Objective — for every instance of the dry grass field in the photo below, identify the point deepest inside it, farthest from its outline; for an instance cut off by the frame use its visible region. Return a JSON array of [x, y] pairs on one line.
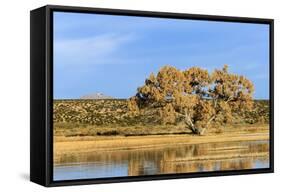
[[86, 144]]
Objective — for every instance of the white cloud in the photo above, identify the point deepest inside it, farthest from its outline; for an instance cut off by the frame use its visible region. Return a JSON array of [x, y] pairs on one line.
[[85, 51]]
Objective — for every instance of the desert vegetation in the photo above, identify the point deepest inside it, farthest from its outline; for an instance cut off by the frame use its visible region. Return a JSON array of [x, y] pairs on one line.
[[172, 102], [112, 117]]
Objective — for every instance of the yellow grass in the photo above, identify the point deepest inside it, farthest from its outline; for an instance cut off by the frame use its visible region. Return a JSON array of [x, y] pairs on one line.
[[75, 145], [221, 157]]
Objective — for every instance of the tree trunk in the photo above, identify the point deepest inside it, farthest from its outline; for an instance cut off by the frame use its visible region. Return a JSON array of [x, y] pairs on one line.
[[190, 125], [197, 131]]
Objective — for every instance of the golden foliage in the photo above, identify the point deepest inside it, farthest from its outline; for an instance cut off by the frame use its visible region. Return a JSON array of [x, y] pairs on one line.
[[168, 114], [132, 106], [194, 96]]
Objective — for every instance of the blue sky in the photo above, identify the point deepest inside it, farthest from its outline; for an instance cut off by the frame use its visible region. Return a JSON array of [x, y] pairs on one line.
[[114, 54]]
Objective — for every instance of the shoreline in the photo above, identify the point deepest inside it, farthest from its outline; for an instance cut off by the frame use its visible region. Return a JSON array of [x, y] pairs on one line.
[[90, 144]]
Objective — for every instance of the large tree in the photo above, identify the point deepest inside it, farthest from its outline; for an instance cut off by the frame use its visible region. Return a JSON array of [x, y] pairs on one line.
[[194, 96]]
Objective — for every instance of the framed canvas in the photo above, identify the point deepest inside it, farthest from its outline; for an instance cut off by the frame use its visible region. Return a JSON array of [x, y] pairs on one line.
[[125, 95]]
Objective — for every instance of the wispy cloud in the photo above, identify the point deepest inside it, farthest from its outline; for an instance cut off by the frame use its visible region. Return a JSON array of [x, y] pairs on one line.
[[89, 51]]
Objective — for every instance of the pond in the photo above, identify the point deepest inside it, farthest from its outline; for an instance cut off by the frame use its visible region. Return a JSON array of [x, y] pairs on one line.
[[174, 159]]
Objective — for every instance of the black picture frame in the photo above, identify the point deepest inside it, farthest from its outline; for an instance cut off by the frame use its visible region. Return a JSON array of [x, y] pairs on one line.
[[41, 99]]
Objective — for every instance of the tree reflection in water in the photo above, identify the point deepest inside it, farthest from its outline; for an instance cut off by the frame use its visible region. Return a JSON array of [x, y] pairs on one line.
[[176, 159]]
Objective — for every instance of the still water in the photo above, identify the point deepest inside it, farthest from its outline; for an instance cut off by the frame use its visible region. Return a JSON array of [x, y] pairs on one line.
[[175, 159]]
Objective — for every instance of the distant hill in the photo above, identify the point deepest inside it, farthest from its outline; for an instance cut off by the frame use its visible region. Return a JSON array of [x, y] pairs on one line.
[[96, 96]]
